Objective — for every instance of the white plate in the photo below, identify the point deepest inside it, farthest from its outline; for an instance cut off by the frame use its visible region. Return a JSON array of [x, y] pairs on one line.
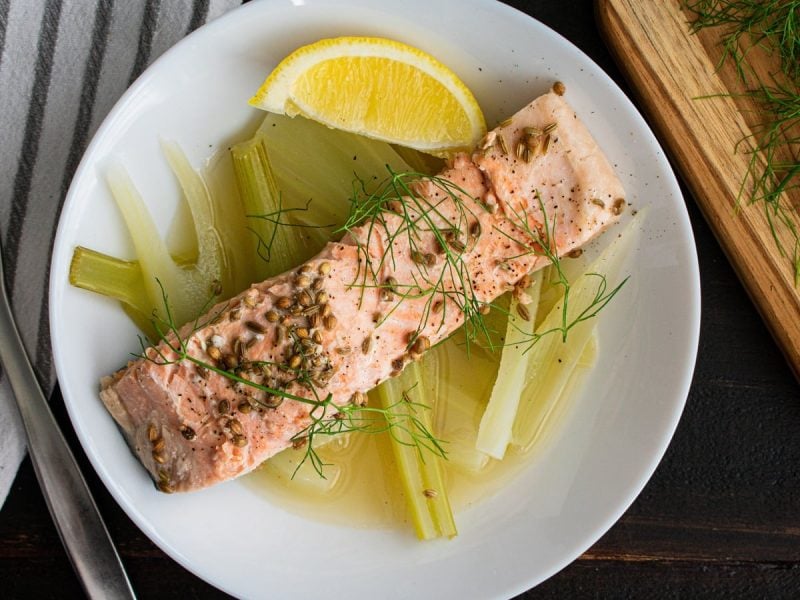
[[596, 464]]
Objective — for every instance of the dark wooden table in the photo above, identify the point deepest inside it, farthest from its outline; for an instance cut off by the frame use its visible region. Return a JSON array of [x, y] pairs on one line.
[[719, 519]]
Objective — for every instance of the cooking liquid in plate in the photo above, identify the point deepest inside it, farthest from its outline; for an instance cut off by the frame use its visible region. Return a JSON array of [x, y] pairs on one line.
[[361, 488]]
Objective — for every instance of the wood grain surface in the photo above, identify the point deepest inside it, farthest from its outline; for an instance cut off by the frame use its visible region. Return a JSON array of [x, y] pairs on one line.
[[719, 519], [673, 73]]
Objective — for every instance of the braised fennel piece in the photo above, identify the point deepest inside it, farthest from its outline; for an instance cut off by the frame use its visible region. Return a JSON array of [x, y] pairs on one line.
[[495, 429], [421, 474], [553, 358]]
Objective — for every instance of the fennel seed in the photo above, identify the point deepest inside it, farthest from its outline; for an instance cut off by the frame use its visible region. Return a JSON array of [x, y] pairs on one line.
[[359, 399], [236, 427], [545, 144], [523, 312], [457, 245], [501, 142], [304, 299], [521, 150], [311, 310], [421, 344], [475, 230], [272, 401], [254, 326], [534, 146]]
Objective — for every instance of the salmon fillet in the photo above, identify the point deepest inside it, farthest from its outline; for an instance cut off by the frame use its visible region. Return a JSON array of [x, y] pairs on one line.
[[358, 312]]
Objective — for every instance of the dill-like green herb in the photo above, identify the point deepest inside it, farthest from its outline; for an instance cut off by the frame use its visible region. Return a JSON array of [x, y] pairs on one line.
[[774, 175], [774, 166], [541, 244], [327, 417], [397, 195], [770, 24], [420, 215], [264, 246]]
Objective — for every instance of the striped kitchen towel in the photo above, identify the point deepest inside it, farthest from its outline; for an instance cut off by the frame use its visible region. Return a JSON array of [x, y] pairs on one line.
[[63, 65]]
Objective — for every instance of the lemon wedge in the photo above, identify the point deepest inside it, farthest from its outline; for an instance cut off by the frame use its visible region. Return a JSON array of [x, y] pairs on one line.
[[378, 88]]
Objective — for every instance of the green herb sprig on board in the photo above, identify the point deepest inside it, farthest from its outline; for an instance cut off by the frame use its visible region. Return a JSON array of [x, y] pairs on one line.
[[771, 26]]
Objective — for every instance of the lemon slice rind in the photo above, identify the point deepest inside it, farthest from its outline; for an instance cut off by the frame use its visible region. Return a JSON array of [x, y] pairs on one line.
[[277, 93]]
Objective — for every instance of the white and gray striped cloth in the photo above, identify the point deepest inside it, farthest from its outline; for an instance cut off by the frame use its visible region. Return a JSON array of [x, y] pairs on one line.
[[63, 65]]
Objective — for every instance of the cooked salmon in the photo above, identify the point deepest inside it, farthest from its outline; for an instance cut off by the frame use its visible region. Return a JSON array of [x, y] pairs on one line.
[[357, 313]]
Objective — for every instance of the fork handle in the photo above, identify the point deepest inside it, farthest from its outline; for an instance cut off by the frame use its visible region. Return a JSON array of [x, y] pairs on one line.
[[71, 505]]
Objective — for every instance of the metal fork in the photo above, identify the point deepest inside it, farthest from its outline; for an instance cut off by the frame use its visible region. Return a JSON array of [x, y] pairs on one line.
[[71, 505]]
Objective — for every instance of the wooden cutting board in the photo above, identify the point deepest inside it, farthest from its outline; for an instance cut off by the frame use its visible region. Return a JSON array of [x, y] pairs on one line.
[[672, 73]]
